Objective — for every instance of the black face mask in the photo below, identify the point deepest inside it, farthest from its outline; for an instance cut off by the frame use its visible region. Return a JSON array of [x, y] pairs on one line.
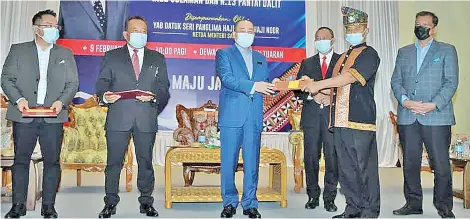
[[422, 32]]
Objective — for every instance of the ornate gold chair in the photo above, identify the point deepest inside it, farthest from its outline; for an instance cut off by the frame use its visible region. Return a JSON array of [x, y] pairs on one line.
[[192, 122], [6, 140], [84, 143], [296, 141]]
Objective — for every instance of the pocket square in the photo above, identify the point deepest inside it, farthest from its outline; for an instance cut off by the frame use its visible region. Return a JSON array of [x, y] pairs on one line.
[[436, 60], [62, 62]]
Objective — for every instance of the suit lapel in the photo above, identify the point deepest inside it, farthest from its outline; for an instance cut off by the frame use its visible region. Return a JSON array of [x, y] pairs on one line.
[[146, 63], [126, 59], [331, 66], [240, 59], [34, 58], [91, 13], [316, 74], [414, 58], [255, 60], [429, 55], [53, 58]]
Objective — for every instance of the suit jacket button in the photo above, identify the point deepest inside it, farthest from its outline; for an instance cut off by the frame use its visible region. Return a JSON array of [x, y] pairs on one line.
[[416, 81], [35, 92], [37, 79]]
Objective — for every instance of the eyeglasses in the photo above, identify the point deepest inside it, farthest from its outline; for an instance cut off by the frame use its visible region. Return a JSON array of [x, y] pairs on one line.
[[49, 26]]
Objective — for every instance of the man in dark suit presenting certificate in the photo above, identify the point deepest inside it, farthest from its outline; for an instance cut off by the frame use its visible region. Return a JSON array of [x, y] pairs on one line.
[[132, 67]]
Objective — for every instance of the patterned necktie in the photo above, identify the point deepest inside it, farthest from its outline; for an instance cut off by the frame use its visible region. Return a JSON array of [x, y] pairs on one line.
[[135, 64], [100, 13], [324, 67]]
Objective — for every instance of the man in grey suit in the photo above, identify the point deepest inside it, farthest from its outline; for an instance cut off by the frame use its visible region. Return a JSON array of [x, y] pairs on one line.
[[93, 19], [424, 82], [128, 68], [38, 73]]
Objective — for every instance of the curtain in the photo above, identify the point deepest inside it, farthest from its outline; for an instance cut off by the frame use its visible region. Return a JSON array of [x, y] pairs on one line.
[[16, 22], [383, 36]]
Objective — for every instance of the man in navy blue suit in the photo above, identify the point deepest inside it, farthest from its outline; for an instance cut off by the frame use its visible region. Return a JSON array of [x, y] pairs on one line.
[[244, 75], [93, 19]]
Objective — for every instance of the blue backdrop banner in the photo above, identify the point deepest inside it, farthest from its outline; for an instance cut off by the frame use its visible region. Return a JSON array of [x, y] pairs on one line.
[[188, 33]]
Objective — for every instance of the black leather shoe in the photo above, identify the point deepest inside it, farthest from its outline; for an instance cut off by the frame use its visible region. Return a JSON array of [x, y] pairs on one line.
[[330, 206], [48, 211], [16, 211], [252, 213], [107, 211], [407, 210], [228, 211], [311, 203], [446, 214], [343, 215], [148, 210]]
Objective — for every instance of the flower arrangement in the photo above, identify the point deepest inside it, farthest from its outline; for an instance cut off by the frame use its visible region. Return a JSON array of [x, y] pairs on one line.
[[213, 138]]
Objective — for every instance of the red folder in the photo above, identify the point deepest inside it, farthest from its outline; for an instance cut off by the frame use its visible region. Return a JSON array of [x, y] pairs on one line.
[[130, 94], [39, 112]]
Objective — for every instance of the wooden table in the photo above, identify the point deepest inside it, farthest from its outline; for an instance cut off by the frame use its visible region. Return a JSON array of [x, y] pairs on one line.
[[465, 193], [177, 156], [35, 177]]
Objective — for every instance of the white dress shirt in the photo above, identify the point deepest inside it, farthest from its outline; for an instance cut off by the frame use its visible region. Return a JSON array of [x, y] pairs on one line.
[[43, 58], [103, 3], [140, 54], [328, 58]]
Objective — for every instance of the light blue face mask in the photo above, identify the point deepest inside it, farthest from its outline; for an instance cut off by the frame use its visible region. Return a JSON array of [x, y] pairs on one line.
[[323, 46], [245, 40], [138, 40], [50, 34], [354, 38]]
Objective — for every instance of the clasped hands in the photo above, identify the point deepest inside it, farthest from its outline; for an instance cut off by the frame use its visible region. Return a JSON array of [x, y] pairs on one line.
[[114, 97], [313, 89], [418, 107]]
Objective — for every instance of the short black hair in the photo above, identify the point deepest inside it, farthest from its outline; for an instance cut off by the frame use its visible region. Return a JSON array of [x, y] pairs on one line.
[[239, 21], [435, 19], [38, 16], [326, 28], [134, 18]]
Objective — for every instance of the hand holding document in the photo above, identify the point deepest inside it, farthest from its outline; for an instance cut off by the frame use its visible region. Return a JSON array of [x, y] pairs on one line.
[[292, 85], [129, 94]]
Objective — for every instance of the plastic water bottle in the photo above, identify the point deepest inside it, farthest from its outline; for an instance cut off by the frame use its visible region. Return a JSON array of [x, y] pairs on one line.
[[459, 149], [201, 138], [466, 146]]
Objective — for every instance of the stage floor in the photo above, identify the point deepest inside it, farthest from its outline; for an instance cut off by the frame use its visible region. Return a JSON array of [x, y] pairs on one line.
[[87, 201]]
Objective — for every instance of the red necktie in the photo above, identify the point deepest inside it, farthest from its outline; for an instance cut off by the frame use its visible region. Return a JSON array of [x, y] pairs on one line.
[[135, 64], [324, 67]]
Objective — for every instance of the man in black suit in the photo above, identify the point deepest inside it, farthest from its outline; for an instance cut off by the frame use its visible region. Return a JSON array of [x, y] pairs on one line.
[[314, 122], [132, 67]]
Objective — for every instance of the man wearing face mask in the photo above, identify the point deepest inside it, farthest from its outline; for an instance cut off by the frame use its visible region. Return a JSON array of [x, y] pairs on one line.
[[244, 75], [314, 122], [424, 81], [32, 70], [128, 68], [352, 118]]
